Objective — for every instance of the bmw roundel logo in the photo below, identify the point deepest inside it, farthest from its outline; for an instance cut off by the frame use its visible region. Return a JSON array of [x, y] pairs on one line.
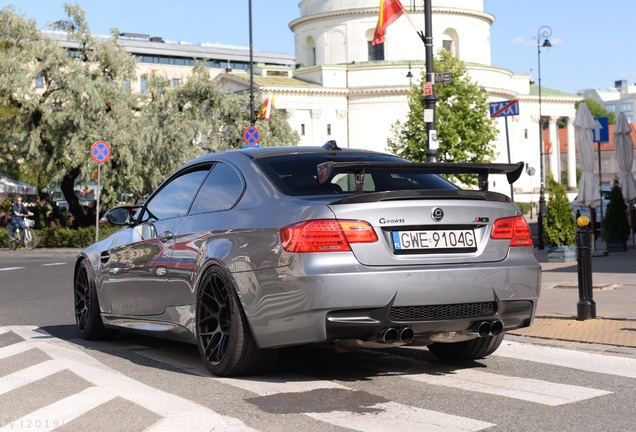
[[437, 214]]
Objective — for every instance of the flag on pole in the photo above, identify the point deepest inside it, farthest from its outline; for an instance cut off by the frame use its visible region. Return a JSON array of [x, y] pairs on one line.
[[266, 110], [390, 11]]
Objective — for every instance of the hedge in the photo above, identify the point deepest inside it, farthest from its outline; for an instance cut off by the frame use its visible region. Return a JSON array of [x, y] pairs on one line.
[[65, 237]]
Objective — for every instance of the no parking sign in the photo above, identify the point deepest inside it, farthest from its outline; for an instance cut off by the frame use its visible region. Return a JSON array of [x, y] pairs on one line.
[[100, 151]]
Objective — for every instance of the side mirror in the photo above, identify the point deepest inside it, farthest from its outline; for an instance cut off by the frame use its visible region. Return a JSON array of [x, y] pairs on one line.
[[121, 215]]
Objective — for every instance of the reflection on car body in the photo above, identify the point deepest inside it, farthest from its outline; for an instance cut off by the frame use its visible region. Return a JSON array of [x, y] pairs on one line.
[[247, 251]]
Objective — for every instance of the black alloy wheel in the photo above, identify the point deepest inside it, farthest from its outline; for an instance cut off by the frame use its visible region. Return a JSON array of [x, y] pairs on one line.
[[87, 313], [225, 342]]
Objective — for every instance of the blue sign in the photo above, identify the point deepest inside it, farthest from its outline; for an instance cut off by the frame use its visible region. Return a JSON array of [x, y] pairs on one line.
[[251, 136], [601, 130], [504, 108], [100, 151]]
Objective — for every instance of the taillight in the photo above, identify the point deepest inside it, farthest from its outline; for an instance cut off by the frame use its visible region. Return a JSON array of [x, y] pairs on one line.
[[515, 229], [326, 235]]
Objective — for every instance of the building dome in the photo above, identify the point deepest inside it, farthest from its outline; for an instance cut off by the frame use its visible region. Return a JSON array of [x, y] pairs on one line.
[[340, 31]]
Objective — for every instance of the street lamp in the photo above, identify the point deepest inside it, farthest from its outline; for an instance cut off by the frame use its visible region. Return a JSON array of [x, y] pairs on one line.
[[543, 34]]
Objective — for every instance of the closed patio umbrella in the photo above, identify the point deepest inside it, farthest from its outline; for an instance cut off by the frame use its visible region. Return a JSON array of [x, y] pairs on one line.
[[624, 147], [584, 124]]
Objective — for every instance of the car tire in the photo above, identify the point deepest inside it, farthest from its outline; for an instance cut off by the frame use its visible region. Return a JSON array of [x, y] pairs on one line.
[[87, 311], [467, 350], [225, 341]]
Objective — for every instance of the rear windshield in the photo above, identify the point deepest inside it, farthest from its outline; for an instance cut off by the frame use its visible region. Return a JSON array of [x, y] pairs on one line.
[[297, 175]]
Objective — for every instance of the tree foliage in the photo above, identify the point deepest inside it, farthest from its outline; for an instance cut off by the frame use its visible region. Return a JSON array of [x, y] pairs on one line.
[[559, 227], [597, 110], [615, 224], [464, 127], [55, 102]]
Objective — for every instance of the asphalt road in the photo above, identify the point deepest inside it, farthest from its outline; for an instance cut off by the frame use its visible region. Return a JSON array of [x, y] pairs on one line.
[[50, 378]]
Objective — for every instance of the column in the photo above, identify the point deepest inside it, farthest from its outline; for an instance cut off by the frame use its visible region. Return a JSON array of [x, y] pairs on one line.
[[553, 139], [571, 155]]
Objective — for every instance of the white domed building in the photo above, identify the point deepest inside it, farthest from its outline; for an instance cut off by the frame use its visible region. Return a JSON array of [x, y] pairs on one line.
[[346, 89]]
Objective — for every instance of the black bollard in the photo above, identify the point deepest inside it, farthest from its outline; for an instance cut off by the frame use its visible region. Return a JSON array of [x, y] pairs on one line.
[[585, 308]]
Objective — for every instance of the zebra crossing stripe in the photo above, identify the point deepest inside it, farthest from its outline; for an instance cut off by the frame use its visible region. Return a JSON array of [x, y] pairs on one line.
[[14, 349], [403, 418], [382, 416], [63, 411], [531, 390], [29, 375], [109, 384], [585, 361]]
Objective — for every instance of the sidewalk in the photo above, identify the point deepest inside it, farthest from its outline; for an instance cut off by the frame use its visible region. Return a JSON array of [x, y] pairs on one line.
[[614, 293]]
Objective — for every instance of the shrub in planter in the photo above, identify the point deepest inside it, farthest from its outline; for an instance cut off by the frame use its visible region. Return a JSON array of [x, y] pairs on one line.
[[559, 226], [615, 226]]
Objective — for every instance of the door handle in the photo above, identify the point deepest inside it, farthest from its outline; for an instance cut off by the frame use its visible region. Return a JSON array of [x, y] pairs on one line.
[[104, 257], [165, 236]]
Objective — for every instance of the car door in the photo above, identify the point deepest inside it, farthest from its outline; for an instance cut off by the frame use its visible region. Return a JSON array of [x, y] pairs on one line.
[[138, 271]]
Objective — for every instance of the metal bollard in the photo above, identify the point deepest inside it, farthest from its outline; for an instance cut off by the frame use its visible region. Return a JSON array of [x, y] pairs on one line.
[[585, 308]]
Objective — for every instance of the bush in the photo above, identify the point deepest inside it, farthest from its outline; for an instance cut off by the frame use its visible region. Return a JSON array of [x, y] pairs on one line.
[[65, 237], [615, 224], [524, 207], [559, 227]]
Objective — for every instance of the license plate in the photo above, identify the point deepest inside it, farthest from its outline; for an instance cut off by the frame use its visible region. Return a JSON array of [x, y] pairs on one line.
[[434, 240]]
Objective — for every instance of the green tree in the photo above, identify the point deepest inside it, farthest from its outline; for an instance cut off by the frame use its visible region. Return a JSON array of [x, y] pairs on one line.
[[559, 227], [615, 224], [597, 110], [80, 96], [464, 127]]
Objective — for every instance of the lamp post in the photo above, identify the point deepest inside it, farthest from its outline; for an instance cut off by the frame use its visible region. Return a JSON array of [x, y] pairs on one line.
[[543, 34]]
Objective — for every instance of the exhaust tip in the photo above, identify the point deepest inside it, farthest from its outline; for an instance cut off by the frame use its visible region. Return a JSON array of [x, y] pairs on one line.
[[406, 335], [496, 328], [388, 335], [484, 329]]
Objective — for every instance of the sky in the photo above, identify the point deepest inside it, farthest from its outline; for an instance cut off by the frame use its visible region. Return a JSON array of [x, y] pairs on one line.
[[592, 42]]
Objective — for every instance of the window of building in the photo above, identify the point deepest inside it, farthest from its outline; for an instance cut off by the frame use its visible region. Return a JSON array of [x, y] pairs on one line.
[[329, 129], [376, 52], [610, 108], [525, 133], [302, 129], [311, 51], [176, 82], [627, 106], [127, 84], [630, 118], [143, 84]]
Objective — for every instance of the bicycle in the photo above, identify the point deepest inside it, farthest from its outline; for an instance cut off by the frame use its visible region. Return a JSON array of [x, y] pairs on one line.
[[24, 236]]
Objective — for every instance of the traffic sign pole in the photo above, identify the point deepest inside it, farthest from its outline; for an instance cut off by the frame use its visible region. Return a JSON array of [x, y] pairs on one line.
[[100, 152]]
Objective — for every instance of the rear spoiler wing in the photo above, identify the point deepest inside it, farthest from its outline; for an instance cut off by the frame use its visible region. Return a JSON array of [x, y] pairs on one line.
[[512, 171]]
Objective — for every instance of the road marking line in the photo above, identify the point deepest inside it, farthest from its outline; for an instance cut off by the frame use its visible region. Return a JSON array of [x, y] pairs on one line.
[[527, 389], [14, 349], [380, 417], [29, 375], [110, 383], [54, 264], [395, 416], [63, 411], [589, 362], [11, 268]]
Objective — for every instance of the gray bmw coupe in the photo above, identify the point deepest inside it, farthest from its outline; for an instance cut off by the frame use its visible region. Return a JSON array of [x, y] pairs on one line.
[[247, 251]]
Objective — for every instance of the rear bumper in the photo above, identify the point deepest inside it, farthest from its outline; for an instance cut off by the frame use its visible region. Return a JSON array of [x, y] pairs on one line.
[[324, 299]]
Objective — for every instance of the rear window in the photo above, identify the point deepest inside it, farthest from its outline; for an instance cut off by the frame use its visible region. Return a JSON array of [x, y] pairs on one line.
[[297, 175]]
